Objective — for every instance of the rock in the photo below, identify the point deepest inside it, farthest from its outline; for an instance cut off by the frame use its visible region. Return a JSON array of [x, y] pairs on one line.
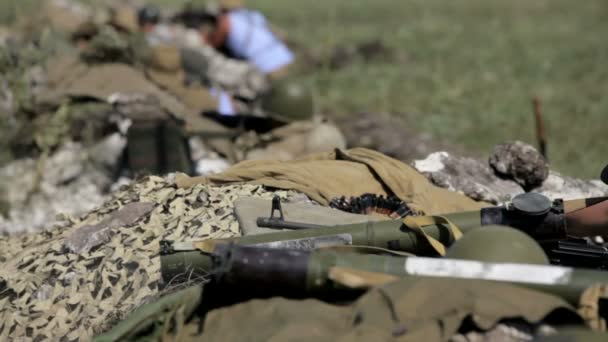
[[206, 161], [324, 137], [387, 134], [506, 332], [558, 186], [468, 176], [478, 181], [7, 102], [520, 162], [73, 180]]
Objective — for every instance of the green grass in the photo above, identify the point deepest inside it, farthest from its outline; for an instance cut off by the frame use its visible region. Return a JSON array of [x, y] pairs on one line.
[[471, 68], [465, 71]]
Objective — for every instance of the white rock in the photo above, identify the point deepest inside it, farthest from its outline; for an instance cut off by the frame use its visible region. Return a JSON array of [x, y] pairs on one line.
[[432, 163]]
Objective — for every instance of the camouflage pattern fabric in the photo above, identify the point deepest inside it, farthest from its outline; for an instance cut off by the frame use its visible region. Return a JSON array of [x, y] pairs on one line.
[[50, 292]]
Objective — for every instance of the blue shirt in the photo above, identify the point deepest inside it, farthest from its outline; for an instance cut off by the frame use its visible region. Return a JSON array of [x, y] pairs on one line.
[[251, 39]]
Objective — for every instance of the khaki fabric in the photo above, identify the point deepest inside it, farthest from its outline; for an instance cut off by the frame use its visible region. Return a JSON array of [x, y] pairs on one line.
[[351, 172], [61, 72], [165, 57], [590, 307], [277, 319], [63, 17], [101, 81], [430, 310], [69, 77], [196, 98], [422, 309], [125, 18]]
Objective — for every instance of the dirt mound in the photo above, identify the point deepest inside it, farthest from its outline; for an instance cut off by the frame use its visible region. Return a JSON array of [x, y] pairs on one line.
[[387, 134]]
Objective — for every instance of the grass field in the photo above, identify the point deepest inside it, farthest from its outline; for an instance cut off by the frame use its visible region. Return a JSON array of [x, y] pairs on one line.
[[465, 71]]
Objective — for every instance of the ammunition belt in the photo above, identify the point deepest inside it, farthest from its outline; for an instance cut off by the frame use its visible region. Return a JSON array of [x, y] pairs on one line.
[[367, 204]]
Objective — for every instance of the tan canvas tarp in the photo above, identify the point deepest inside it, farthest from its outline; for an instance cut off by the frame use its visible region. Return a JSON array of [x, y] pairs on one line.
[[69, 77], [353, 172], [410, 309], [430, 310]]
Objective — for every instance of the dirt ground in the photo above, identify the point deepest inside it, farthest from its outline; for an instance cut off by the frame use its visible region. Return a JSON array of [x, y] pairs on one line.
[[391, 135]]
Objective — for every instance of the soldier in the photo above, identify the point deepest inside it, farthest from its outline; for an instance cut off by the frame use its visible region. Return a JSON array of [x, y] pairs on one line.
[[245, 34], [148, 17], [156, 33]]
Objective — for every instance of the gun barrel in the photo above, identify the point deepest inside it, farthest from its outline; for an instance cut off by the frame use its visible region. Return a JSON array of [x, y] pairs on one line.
[[281, 224], [263, 272]]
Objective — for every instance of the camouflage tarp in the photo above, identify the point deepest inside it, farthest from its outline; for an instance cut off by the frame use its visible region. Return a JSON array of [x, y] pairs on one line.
[[49, 292]]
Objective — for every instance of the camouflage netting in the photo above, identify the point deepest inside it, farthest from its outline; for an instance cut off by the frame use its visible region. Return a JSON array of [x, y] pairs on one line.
[[73, 281]]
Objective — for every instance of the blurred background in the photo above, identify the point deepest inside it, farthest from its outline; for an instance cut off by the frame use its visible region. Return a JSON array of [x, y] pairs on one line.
[[463, 73]]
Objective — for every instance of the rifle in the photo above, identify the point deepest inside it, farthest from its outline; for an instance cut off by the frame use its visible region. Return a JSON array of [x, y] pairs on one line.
[[532, 213], [583, 253]]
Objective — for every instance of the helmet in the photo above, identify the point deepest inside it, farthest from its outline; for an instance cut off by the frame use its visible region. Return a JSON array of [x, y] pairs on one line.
[[148, 15], [288, 100], [604, 175], [498, 244]]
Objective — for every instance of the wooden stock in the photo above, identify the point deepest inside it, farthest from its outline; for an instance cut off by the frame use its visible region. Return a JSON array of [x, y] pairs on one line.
[[590, 221]]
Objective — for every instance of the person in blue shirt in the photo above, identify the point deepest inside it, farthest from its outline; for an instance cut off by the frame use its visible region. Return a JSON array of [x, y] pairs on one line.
[[242, 34], [245, 34]]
